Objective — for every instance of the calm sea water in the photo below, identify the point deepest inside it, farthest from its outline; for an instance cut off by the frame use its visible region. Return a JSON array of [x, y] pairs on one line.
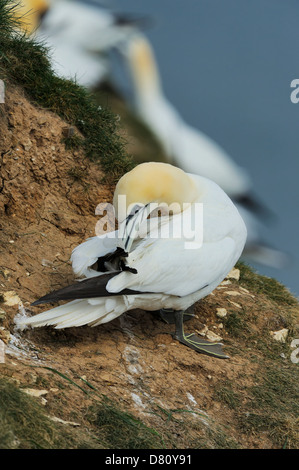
[[227, 67]]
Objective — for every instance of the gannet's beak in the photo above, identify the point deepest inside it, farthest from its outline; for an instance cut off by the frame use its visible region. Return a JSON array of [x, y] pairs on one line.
[[129, 228]]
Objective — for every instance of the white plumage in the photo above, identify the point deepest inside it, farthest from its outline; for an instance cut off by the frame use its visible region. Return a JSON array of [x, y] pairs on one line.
[[164, 274]]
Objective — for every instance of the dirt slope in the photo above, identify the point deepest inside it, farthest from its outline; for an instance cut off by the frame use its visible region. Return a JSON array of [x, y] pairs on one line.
[[48, 196]]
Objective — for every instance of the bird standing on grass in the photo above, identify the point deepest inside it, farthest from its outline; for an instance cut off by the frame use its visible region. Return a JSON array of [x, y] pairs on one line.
[[165, 262]]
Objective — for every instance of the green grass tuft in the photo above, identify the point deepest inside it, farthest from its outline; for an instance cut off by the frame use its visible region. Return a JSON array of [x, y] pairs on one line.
[[120, 430], [226, 394], [274, 406], [73, 142], [236, 324], [9, 20], [23, 424], [268, 286]]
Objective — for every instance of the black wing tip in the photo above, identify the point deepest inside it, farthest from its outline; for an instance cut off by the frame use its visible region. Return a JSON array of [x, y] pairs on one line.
[[123, 19], [86, 289], [43, 300]]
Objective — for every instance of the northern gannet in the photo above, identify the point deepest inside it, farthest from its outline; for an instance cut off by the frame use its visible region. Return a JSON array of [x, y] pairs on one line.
[[30, 13], [148, 263], [79, 35], [190, 149]]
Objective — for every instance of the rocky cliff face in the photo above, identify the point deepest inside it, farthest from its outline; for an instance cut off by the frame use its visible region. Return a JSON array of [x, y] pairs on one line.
[[126, 384]]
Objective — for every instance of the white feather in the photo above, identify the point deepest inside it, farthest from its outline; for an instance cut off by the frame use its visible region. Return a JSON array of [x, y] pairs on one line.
[[86, 254]]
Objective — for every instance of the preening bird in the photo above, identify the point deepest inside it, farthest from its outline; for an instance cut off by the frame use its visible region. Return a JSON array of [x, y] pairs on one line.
[[79, 35], [179, 235], [190, 149]]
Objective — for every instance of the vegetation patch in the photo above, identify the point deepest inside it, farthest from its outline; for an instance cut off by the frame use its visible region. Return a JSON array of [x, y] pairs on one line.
[[236, 324], [274, 406], [266, 403], [24, 62], [196, 428], [227, 394], [270, 287], [118, 429]]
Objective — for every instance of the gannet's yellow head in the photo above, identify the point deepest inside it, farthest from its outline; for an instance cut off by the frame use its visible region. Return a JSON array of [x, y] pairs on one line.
[[30, 12], [154, 182]]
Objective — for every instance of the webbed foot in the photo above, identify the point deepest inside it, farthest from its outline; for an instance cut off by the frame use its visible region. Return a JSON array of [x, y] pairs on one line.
[[194, 342]]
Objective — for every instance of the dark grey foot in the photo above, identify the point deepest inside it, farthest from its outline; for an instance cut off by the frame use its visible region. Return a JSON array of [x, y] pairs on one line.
[[168, 315], [194, 342]]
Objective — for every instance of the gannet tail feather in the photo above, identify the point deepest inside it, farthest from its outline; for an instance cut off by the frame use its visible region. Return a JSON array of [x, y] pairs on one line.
[[77, 313]]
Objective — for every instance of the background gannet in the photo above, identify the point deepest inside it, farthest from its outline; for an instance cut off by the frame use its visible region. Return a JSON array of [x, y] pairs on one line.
[[192, 150], [157, 272], [80, 35], [184, 145]]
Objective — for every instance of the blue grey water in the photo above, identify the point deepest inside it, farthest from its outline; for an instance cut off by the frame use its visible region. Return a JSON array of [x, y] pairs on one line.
[[227, 66]]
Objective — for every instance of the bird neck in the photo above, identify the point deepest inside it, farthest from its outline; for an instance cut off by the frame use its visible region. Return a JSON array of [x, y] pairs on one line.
[[144, 70]]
